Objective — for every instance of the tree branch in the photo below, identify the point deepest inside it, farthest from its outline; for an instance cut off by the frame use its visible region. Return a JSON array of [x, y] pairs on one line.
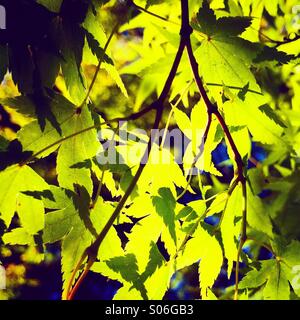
[[212, 109], [91, 252]]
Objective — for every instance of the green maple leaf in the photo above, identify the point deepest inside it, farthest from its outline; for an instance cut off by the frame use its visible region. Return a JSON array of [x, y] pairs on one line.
[[16, 180], [146, 231], [128, 268], [258, 215], [256, 278], [159, 282], [271, 274], [53, 5], [231, 226], [277, 274], [264, 125], [291, 265], [96, 37], [165, 207], [76, 150], [210, 25], [77, 227], [132, 278], [69, 36], [66, 120], [59, 223], [3, 61], [277, 286], [272, 57], [96, 40], [18, 236], [35, 138], [229, 56], [31, 212], [156, 260], [207, 249]]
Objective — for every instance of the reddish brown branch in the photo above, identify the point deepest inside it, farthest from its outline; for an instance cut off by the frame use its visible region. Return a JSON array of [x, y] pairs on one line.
[[212, 109], [91, 252]]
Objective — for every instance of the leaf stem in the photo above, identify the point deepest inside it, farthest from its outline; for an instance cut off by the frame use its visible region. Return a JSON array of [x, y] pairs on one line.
[[210, 84], [152, 13], [209, 121], [266, 246], [98, 189], [243, 238], [184, 191], [114, 30], [230, 191], [70, 292], [278, 43], [67, 291], [172, 112]]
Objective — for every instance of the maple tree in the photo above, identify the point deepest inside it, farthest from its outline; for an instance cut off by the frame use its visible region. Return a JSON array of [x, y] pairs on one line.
[[221, 72]]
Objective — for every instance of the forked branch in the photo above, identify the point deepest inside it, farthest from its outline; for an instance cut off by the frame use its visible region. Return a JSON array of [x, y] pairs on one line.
[[212, 109], [91, 253]]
